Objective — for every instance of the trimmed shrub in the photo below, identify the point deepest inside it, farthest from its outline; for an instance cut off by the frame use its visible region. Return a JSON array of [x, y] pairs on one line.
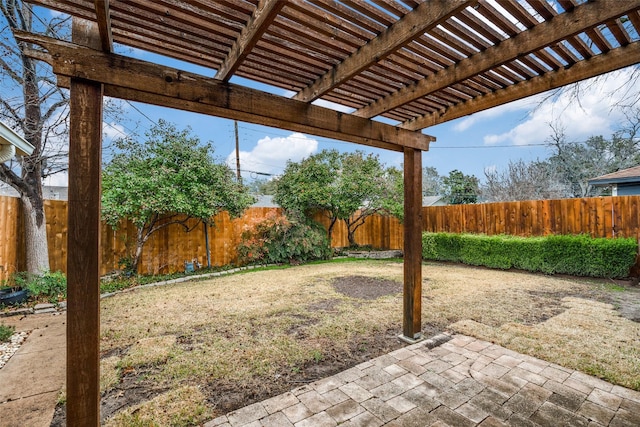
[[279, 239], [442, 246], [578, 255]]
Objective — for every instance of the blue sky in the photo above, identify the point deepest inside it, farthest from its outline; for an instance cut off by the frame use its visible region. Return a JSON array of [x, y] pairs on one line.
[[488, 139]]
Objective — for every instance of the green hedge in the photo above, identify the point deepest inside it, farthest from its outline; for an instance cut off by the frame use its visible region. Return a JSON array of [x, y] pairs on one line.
[[579, 255]]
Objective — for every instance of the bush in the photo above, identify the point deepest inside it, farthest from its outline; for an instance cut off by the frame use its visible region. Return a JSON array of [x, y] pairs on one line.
[[279, 239], [579, 255], [49, 286], [6, 332]]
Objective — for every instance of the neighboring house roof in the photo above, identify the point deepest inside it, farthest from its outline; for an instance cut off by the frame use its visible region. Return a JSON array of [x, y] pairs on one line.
[[623, 176], [48, 192], [433, 201]]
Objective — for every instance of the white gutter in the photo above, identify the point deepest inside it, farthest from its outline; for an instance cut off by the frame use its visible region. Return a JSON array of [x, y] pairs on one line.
[[12, 143]]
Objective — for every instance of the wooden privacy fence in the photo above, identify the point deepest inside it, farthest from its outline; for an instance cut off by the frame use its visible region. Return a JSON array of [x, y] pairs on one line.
[[596, 216], [167, 249]]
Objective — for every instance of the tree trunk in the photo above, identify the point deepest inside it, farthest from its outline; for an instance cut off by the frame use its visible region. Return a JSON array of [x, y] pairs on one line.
[[351, 234], [136, 256], [330, 231], [35, 232]]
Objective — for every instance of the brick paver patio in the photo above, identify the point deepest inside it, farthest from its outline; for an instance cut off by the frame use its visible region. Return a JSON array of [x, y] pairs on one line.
[[463, 382]]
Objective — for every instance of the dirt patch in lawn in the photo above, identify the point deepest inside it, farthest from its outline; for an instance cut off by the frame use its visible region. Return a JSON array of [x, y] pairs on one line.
[[364, 287], [224, 343]]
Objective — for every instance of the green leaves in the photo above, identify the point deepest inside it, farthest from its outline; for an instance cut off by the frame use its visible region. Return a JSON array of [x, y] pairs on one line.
[[579, 255], [459, 188], [166, 180], [279, 239], [345, 186]]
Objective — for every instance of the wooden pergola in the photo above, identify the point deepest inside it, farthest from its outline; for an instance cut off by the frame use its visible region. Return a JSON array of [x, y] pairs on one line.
[[417, 63]]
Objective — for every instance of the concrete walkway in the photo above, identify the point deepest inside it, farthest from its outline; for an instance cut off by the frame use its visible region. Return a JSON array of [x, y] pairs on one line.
[[33, 377], [464, 382]]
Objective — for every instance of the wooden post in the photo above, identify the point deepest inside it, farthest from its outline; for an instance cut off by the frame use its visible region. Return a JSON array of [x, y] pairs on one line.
[[412, 298], [83, 256]]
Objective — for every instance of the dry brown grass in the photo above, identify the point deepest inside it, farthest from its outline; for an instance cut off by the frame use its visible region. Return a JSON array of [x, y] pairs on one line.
[[253, 328], [182, 406]]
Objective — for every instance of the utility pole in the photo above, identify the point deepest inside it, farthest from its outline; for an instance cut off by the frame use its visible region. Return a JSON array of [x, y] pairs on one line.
[[235, 122]]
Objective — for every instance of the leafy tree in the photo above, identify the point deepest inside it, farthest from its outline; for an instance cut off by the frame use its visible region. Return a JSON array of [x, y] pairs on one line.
[[524, 181], [578, 162], [348, 187], [431, 181], [459, 188], [31, 103], [168, 179]]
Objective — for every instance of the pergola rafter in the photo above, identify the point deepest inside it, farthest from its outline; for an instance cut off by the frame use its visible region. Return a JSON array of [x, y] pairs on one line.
[[613, 60], [561, 27], [412, 25], [263, 16]]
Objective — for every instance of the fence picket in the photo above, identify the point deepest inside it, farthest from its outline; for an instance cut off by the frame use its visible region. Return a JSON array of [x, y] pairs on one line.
[[166, 251]]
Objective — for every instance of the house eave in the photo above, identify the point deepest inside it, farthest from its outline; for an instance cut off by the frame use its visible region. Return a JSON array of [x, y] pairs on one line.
[[9, 137]]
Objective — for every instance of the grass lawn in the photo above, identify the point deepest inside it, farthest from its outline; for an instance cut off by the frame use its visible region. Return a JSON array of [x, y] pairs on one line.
[[182, 354]]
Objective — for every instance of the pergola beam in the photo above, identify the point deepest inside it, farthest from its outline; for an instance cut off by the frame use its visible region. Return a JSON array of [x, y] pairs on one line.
[[616, 59], [265, 13], [147, 82], [424, 17], [549, 32]]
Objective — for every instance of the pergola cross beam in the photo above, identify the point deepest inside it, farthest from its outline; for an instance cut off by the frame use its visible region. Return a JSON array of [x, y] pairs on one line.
[[613, 60], [143, 81], [545, 34]]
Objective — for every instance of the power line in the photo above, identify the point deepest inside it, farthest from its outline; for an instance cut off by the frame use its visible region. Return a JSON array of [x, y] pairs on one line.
[[487, 146], [141, 113]]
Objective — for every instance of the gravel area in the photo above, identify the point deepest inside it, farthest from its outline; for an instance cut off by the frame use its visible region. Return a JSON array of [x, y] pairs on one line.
[[8, 349]]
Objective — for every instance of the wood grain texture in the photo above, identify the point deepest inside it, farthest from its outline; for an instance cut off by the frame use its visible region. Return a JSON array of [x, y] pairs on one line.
[[168, 251], [141, 81], [412, 295], [83, 242]]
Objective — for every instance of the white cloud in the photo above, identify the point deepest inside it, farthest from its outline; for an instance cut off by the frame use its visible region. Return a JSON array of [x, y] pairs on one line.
[[113, 130], [594, 113], [270, 155]]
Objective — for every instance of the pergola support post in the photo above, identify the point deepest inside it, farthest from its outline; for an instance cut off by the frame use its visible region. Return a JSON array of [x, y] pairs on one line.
[[412, 295], [83, 257]]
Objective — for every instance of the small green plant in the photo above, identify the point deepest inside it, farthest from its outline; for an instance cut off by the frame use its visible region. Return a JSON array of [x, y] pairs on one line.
[[6, 332], [317, 356], [128, 266], [51, 286]]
